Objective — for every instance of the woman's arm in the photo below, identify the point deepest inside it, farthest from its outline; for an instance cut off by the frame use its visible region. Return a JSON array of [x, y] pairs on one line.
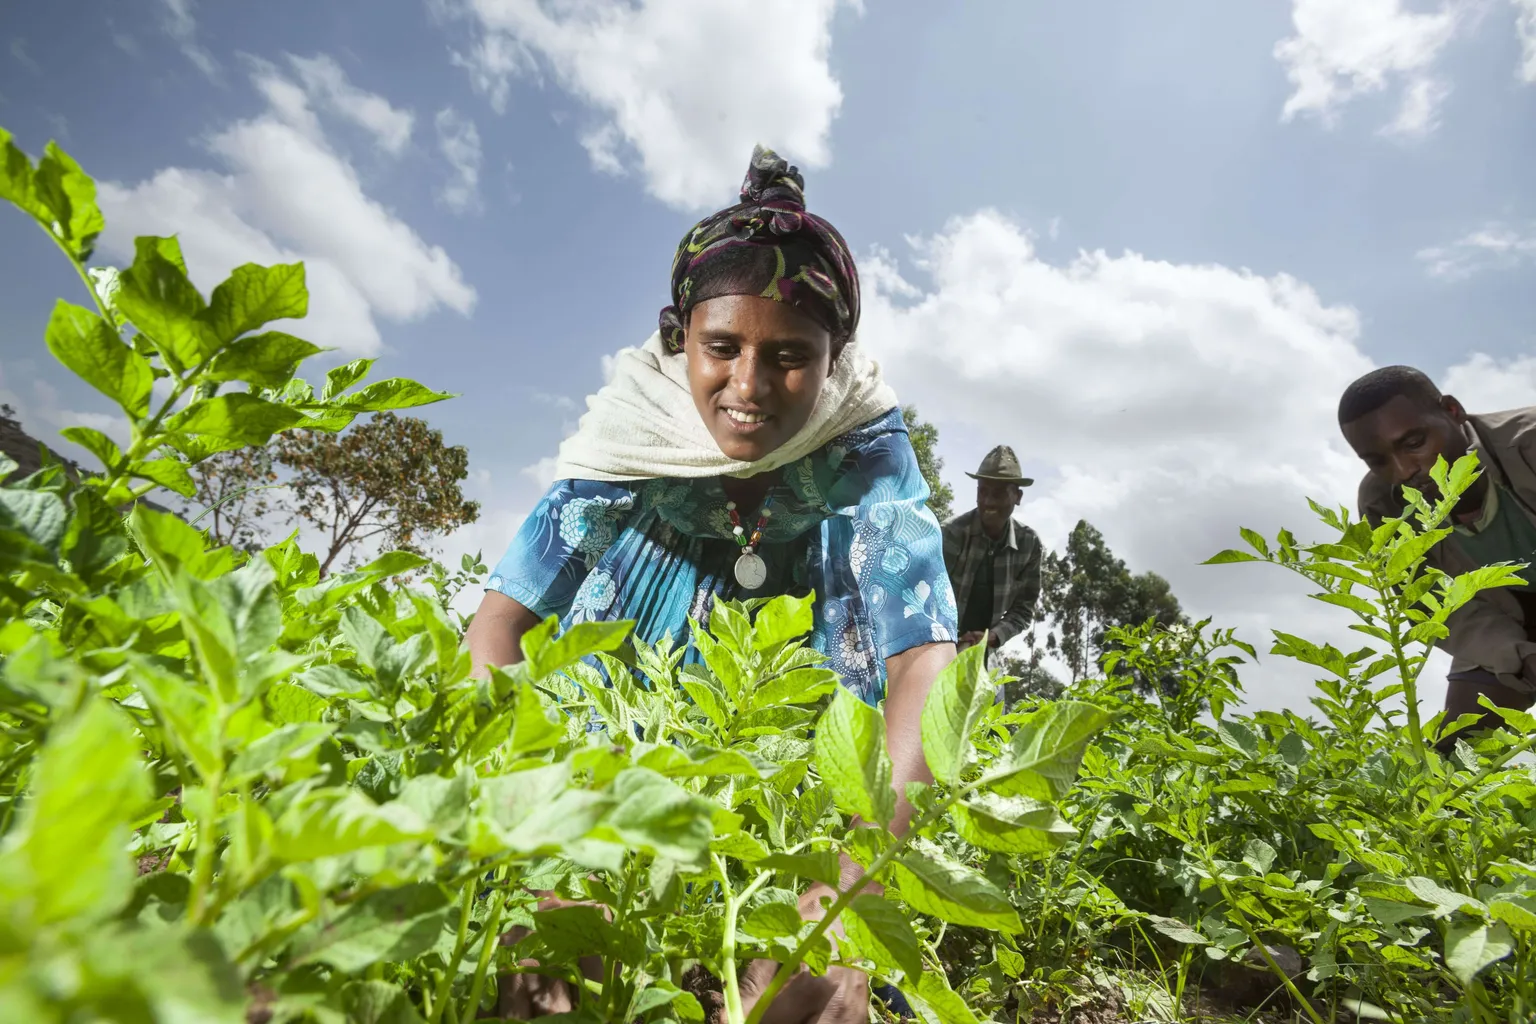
[[496, 632]]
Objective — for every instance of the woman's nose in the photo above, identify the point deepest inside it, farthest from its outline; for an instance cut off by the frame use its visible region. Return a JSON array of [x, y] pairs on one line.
[[748, 377]]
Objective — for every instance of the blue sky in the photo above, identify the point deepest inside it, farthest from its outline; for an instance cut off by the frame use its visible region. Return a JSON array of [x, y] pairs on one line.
[[1144, 244]]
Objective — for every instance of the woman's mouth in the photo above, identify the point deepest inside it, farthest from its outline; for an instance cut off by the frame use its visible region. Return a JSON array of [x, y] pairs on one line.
[[746, 422]]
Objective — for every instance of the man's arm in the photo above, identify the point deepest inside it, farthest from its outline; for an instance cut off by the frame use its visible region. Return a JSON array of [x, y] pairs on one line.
[[1020, 612]]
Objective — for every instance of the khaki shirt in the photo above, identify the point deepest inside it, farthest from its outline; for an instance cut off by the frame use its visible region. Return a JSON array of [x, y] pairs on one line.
[[1490, 631]]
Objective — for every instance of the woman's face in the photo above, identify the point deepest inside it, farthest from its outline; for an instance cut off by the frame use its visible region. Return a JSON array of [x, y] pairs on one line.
[[756, 368]]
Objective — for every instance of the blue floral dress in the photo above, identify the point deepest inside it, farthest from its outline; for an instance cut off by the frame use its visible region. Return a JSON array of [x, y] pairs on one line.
[[850, 523]]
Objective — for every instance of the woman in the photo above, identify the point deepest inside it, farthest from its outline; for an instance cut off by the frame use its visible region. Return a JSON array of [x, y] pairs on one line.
[[749, 449]]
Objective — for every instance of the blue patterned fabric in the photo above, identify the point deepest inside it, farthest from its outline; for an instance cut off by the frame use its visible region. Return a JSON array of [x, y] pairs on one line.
[[850, 522]]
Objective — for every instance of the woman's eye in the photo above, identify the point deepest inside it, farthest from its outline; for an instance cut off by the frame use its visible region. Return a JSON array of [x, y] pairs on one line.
[[723, 351]]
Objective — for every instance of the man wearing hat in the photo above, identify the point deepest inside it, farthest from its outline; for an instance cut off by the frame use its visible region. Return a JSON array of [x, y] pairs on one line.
[[993, 559]]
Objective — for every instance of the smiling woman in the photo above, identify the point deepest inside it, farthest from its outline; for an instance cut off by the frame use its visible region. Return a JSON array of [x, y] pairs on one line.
[[749, 449]]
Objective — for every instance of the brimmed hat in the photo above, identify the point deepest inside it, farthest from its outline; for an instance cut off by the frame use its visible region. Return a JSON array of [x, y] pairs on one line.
[[1001, 465]]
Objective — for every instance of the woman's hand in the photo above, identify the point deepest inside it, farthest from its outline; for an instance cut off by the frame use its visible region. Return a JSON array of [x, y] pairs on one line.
[[841, 996]]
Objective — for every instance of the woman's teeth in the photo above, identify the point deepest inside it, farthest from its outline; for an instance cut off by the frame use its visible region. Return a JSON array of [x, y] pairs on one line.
[[745, 417]]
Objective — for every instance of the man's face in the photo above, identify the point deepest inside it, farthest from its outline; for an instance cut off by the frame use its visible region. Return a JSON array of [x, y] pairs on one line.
[[995, 502], [1400, 441]]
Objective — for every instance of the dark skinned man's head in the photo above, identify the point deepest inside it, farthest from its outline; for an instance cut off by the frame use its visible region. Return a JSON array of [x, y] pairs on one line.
[[1398, 422], [995, 502]]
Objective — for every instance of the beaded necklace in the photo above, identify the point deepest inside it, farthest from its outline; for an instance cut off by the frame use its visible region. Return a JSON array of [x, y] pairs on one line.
[[751, 570]]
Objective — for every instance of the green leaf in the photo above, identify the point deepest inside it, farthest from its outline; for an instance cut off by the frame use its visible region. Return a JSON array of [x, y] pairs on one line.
[[771, 921], [395, 393], [37, 519], [71, 194], [533, 728], [267, 360], [237, 420], [18, 182], [800, 686], [1045, 753], [98, 444], [1259, 855], [880, 931], [653, 812], [933, 883], [783, 619], [68, 859], [329, 823], [545, 658], [92, 351], [275, 749], [155, 294], [954, 704], [851, 760], [1470, 946], [382, 927], [342, 377], [254, 295], [935, 1001], [1229, 556], [168, 473], [184, 712], [1179, 931], [821, 866], [378, 1002], [1515, 909], [1016, 824], [1255, 540]]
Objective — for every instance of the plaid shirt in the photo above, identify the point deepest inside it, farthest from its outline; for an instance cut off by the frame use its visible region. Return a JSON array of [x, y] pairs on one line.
[[1015, 571]]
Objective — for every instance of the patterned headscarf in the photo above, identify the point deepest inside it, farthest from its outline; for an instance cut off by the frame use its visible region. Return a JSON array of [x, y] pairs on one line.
[[766, 245]]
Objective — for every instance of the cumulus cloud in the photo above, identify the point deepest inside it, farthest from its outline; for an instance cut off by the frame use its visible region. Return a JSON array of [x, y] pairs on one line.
[[181, 25], [328, 87], [1525, 25], [285, 194], [1486, 384], [1167, 404], [678, 90], [1494, 246], [459, 141], [1341, 50]]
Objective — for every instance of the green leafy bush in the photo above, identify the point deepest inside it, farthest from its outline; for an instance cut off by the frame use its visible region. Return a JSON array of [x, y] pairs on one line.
[[231, 790]]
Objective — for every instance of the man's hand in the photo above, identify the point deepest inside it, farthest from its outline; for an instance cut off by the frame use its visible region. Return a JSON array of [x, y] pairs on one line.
[[841, 996], [970, 639]]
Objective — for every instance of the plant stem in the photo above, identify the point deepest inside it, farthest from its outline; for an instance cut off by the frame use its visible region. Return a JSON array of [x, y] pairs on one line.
[[445, 984], [207, 840], [487, 948], [730, 982]]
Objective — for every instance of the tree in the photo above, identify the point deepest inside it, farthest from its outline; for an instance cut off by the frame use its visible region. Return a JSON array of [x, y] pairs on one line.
[[925, 441], [390, 478], [234, 496], [1086, 591]]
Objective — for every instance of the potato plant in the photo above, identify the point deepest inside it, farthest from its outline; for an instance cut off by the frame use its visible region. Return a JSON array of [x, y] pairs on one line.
[[233, 790]]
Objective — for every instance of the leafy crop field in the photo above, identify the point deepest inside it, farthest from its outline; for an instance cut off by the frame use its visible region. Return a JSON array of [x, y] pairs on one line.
[[233, 790]]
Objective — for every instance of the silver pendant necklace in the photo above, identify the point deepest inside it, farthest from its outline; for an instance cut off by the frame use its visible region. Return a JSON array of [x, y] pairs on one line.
[[750, 570]]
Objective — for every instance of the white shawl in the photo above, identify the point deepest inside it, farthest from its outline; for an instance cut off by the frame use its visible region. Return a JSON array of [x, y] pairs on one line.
[[644, 425]]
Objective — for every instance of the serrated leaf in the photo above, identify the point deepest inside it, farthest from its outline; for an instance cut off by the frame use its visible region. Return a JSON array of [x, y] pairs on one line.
[[383, 927], [534, 728], [92, 350], [880, 931], [851, 760], [267, 360], [253, 295], [168, 473], [395, 393], [236, 420], [156, 295], [1043, 758], [783, 619], [950, 713], [932, 882], [1017, 824], [770, 921], [935, 1002], [98, 444]]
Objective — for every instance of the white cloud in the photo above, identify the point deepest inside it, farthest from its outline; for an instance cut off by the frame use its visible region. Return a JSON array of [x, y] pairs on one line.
[[1494, 246], [1486, 384], [286, 194], [328, 87], [681, 90], [542, 472], [1525, 25], [1167, 404], [181, 25], [1347, 48], [459, 141]]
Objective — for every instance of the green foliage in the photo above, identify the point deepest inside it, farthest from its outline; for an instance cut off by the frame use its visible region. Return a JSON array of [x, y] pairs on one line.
[[233, 787], [925, 443]]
